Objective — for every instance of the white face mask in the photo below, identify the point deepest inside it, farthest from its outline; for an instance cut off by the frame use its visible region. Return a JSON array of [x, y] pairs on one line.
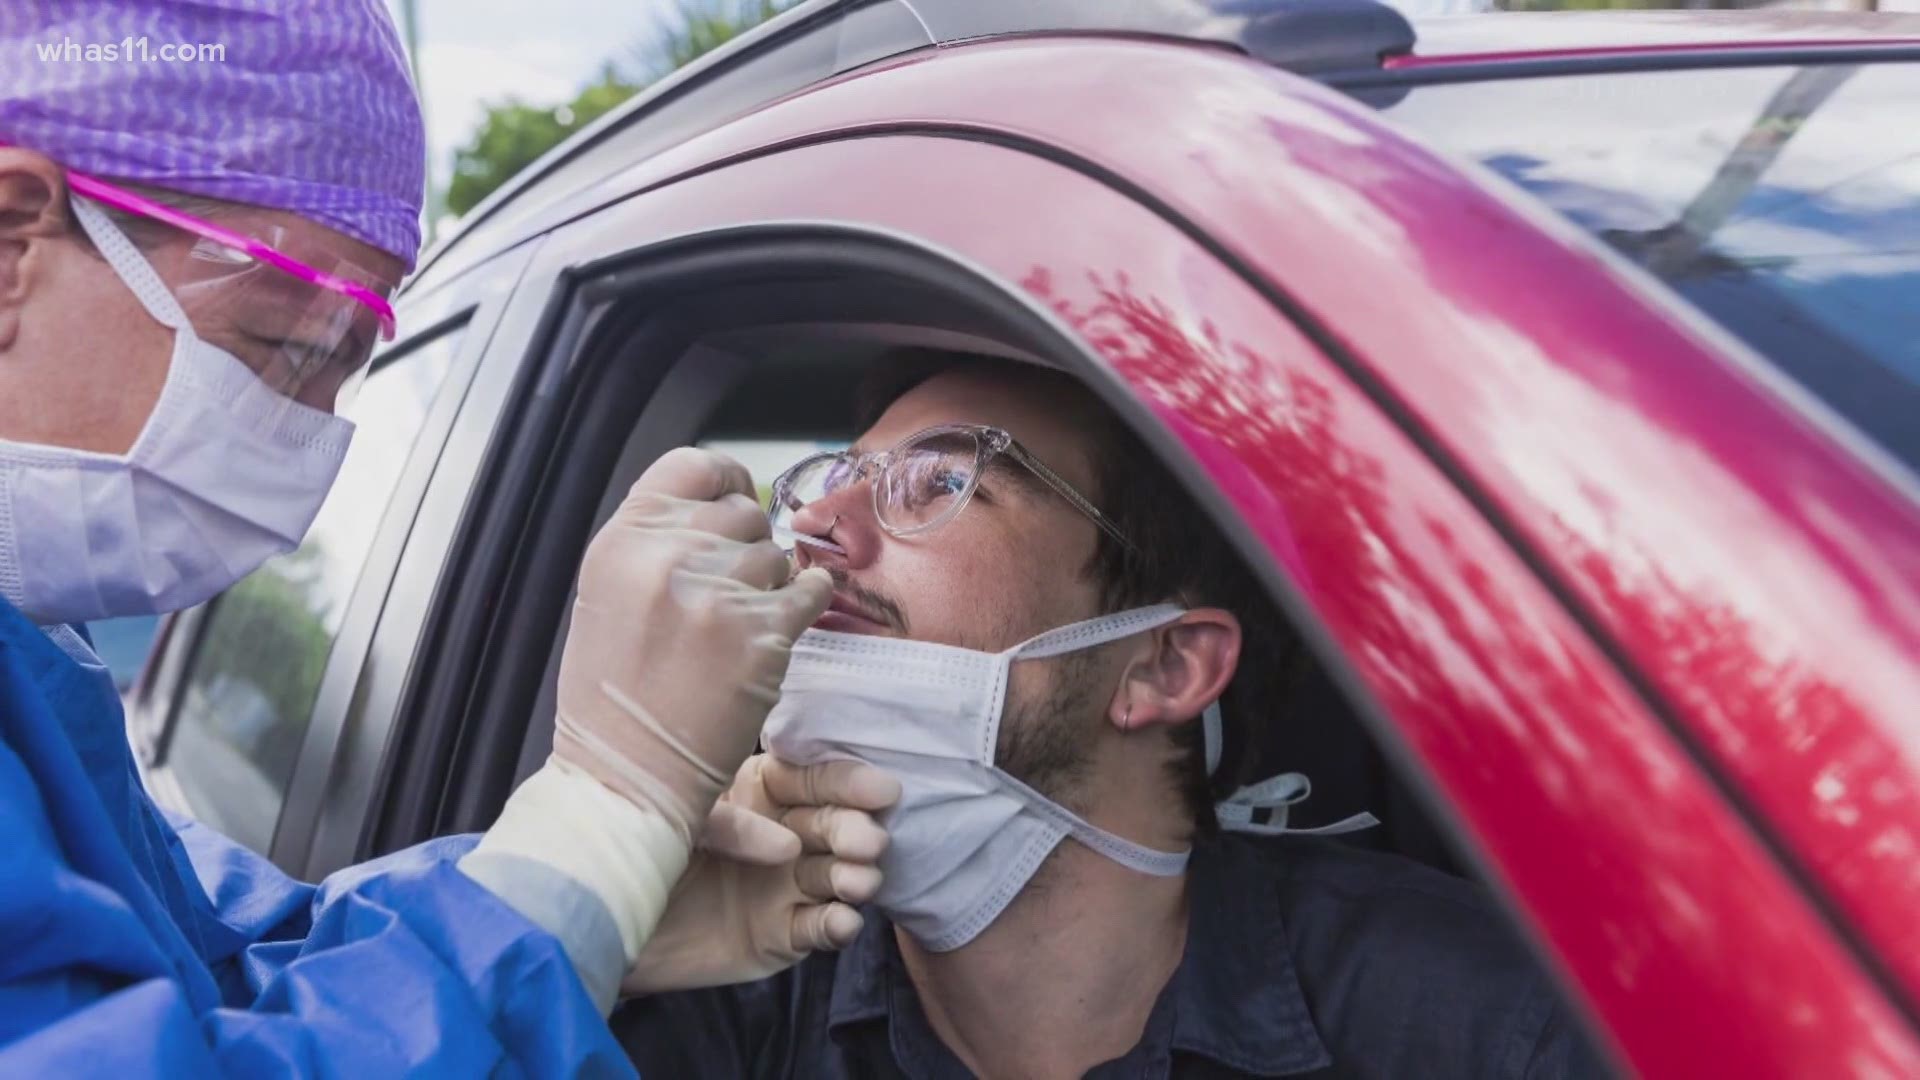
[[225, 474], [967, 837]]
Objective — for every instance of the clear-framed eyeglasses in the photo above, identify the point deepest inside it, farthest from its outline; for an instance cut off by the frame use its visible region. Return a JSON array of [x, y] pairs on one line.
[[921, 483]]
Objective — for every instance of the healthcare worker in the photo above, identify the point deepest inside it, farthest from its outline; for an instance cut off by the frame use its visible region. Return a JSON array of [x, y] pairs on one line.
[[194, 258]]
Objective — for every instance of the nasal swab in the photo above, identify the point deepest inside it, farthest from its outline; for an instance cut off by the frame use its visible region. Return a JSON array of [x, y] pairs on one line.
[[812, 541]]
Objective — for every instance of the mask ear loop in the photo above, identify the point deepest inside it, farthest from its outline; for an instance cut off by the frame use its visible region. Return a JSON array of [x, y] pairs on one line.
[[1277, 794], [1098, 630], [131, 267]]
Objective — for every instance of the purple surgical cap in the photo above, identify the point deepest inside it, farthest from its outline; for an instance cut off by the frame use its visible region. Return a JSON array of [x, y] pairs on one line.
[[305, 107]]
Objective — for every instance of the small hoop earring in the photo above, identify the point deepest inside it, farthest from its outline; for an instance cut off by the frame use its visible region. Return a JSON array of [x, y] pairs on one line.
[[1126, 722]]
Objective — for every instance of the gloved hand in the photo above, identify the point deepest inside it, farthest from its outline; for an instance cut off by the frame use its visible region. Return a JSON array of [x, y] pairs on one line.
[[680, 637], [785, 851]]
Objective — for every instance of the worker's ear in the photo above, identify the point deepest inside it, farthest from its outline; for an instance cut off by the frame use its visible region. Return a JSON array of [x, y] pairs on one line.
[[33, 216]]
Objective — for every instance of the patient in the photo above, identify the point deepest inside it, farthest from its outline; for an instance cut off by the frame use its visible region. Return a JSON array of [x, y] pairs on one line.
[[1094, 905]]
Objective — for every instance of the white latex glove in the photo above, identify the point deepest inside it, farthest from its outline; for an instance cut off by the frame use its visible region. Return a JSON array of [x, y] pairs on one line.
[[680, 637], [785, 852], [681, 633]]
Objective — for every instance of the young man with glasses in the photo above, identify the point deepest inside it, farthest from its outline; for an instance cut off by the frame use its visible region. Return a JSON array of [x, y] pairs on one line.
[[1030, 625]]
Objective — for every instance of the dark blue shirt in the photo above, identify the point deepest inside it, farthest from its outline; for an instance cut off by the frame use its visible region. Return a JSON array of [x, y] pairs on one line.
[[1304, 957]]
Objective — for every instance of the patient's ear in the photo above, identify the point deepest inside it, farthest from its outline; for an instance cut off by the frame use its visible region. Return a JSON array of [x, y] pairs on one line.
[[33, 215], [1177, 671]]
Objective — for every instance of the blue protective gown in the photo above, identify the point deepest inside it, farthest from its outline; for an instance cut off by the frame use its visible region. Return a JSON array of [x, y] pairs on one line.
[[131, 945]]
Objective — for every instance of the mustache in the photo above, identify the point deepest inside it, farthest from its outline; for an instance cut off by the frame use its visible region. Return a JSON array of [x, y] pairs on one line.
[[874, 601]]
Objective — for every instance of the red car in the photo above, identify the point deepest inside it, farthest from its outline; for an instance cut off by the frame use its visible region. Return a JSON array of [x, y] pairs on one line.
[[1561, 374]]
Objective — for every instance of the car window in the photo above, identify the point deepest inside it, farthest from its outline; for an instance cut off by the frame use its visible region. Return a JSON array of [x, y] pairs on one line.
[[122, 645], [243, 712], [1782, 201]]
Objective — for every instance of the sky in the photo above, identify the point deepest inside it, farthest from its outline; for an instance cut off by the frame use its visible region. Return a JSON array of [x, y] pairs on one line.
[[474, 53]]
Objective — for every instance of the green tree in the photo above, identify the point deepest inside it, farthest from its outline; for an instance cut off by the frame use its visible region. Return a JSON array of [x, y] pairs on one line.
[[515, 133]]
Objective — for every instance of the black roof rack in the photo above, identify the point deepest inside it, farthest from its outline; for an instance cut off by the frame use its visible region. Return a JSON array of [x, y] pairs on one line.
[[1304, 36]]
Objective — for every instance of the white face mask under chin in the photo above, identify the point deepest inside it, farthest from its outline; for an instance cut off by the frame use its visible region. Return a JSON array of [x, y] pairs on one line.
[[225, 474], [967, 837]]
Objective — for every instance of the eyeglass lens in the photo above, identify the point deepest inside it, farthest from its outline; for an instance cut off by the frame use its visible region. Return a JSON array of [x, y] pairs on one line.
[[923, 482]]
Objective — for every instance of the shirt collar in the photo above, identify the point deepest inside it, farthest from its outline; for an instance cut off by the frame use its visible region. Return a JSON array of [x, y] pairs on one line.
[[1236, 994], [1235, 997]]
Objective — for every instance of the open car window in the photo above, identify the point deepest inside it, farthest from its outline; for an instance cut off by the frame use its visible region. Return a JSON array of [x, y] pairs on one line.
[[790, 393]]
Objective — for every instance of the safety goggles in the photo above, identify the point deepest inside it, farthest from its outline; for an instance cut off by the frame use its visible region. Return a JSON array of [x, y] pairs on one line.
[[295, 324], [920, 484]]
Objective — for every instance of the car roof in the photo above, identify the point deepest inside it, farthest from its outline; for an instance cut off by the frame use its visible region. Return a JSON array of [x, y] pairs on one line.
[[1307, 36], [1344, 42]]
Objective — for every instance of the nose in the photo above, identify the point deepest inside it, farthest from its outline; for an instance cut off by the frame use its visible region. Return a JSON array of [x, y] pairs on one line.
[[816, 518], [838, 518]]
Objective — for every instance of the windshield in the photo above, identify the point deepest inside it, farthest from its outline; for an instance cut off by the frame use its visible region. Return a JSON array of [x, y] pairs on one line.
[[1782, 201]]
